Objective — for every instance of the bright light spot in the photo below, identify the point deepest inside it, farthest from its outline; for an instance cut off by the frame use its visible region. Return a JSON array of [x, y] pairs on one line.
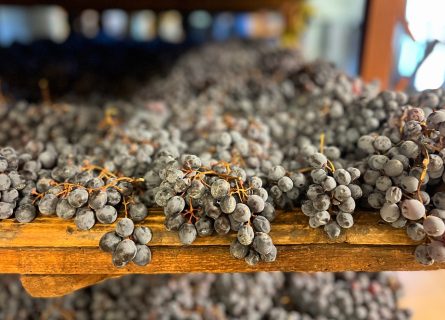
[[89, 23], [410, 54], [59, 28], [425, 19], [13, 25], [275, 22], [243, 24], [143, 25], [223, 26], [170, 26], [266, 24], [200, 19], [431, 74], [115, 22]]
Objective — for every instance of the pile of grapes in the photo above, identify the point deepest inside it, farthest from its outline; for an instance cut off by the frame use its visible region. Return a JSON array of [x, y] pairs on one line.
[[274, 296], [232, 133]]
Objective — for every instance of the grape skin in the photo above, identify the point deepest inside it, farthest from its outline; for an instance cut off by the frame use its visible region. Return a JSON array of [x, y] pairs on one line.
[[390, 212], [245, 235], [109, 241], [262, 243], [125, 252], [187, 233], [65, 210], [422, 256], [47, 205], [25, 213], [436, 250], [6, 210], [124, 227], [415, 231], [138, 212], [238, 250], [143, 255], [84, 219], [78, 197], [242, 213], [412, 209], [142, 234], [434, 226], [107, 214]]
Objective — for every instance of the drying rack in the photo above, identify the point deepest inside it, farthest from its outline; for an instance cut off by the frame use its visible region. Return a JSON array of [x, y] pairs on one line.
[[54, 258]]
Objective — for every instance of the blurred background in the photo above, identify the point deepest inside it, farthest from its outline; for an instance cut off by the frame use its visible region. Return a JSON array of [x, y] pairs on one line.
[[76, 44], [400, 43]]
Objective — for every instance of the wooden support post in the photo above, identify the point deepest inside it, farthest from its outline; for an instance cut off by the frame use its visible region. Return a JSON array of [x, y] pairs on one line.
[[377, 55]]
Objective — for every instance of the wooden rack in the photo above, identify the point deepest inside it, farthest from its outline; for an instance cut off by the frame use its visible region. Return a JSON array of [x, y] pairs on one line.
[[54, 258]]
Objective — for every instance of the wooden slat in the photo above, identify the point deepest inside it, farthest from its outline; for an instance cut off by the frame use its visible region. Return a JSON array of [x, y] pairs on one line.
[[290, 228], [55, 258], [314, 257]]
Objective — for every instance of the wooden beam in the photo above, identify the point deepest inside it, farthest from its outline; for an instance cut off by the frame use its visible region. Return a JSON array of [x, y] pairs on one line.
[[215, 259], [288, 228], [55, 246], [79, 268], [377, 54], [55, 258], [52, 272]]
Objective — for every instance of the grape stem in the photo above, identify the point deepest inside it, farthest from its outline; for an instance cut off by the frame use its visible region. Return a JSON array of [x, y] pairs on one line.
[[425, 163]]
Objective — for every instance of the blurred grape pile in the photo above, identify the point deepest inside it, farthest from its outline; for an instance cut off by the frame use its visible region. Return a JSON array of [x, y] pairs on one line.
[[274, 296]]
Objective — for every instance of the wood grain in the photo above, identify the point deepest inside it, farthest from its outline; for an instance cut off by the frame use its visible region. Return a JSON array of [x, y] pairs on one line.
[[288, 228], [217, 259]]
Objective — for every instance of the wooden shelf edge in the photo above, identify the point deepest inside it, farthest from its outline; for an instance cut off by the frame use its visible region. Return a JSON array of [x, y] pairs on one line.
[[289, 228], [216, 259], [51, 251]]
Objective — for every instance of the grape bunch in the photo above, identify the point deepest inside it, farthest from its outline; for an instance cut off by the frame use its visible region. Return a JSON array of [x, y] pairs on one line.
[[127, 243], [285, 188], [401, 176], [244, 142], [13, 185], [86, 193], [22, 122], [331, 196], [341, 107], [428, 100], [201, 201], [90, 194]]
